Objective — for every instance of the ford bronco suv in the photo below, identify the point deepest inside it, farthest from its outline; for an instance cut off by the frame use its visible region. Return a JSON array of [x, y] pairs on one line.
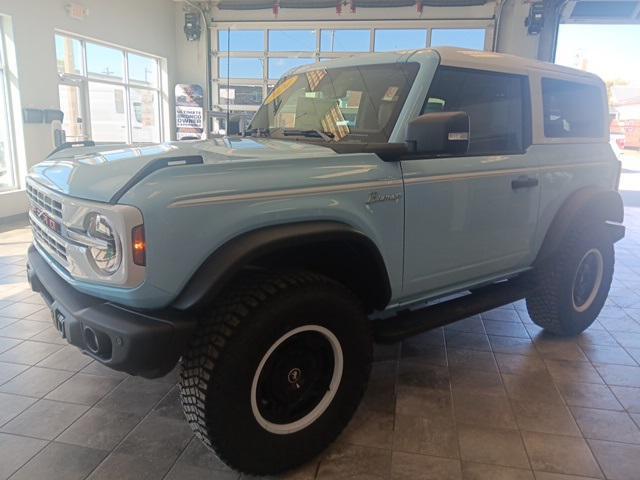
[[372, 198]]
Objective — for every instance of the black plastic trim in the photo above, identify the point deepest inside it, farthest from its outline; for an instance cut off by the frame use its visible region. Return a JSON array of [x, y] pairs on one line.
[[409, 323], [388, 152], [141, 343], [584, 206], [154, 166], [239, 252]]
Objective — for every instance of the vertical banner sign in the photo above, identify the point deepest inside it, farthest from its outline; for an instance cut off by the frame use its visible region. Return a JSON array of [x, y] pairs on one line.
[[189, 111]]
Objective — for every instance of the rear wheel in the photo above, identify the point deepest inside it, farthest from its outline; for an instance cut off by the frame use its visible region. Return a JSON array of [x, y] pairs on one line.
[[276, 372], [573, 286]]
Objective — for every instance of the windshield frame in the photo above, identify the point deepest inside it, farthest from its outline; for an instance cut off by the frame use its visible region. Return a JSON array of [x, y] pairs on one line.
[[410, 71]]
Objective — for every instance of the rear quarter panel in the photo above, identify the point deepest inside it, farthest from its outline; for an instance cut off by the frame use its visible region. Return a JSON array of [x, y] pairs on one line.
[[568, 164]]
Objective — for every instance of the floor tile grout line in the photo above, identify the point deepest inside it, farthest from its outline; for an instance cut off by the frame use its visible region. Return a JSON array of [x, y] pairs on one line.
[[510, 402], [147, 415], [34, 403]]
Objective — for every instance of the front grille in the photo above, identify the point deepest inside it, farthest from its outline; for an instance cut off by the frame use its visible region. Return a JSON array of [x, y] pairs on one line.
[[46, 239], [44, 201], [47, 231]]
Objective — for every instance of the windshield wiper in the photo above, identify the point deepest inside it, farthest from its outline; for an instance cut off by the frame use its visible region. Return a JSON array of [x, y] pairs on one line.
[[326, 136]]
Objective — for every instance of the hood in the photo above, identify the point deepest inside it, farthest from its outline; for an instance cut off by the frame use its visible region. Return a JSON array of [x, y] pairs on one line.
[[99, 173]]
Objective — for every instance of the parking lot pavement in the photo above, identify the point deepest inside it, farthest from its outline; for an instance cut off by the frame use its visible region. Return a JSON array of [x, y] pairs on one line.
[[486, 398]]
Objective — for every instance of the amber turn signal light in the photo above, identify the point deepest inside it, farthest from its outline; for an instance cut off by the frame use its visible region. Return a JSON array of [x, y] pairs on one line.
[[139, 246]]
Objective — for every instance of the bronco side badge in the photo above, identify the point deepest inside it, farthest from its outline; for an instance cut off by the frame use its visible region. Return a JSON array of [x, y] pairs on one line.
[[376, 197]]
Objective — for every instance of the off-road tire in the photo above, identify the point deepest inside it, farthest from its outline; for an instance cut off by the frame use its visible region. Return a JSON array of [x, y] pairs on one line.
[[552, 305], [218, 371]]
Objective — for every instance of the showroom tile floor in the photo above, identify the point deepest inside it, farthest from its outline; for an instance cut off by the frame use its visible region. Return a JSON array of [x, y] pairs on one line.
[[490, 397]]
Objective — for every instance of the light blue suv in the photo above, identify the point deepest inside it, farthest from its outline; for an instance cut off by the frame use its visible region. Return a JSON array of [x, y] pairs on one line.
[[372, 198]]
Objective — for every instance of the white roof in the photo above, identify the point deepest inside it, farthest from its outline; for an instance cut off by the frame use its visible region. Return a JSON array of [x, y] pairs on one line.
[[463, 58]]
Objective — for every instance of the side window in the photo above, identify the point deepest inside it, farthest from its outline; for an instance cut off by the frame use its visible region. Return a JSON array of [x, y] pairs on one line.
[[571, 109], [495, 103]]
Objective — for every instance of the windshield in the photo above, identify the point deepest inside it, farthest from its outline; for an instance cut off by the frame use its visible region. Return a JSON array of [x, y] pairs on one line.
[[348, 104]]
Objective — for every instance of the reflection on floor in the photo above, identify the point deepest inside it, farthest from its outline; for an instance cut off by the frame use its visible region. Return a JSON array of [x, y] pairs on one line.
[[490, 397]]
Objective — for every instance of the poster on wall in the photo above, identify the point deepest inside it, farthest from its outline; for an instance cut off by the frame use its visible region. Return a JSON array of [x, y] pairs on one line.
[[189, 111]]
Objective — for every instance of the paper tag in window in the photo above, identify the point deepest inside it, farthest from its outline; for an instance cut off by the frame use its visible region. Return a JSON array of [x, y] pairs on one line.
[[391, 95], [458, 136]]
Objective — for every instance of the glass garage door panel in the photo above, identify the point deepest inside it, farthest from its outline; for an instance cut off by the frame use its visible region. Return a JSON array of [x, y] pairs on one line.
[[345, 40], [292, 40], [240, 95], [279, 66], [400, 39], [241, 68], [71, 106], [108, 112], [145, 122], [463, 38], [241, 40]]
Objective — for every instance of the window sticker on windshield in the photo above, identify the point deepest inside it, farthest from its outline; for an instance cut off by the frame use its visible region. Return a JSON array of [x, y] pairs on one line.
[[391, 95], [280, 89]]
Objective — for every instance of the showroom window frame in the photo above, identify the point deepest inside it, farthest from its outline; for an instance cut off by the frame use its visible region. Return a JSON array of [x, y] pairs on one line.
[[84, 79], [219, 80], [5, 74]]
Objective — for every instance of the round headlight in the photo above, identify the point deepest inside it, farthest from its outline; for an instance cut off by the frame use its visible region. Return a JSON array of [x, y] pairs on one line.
[[106, 250]]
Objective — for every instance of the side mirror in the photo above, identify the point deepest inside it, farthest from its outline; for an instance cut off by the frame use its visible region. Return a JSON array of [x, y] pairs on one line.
[[439, 133]]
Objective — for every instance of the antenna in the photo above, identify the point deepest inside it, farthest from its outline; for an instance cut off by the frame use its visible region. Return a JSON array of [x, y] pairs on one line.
[[228, 80]]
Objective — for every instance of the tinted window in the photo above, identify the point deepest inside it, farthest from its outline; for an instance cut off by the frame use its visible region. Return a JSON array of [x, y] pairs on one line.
[[571, 109], [350, 104], [494, 102]]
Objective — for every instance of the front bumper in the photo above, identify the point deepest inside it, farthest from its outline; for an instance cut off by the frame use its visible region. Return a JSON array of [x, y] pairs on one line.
[[148, 344]]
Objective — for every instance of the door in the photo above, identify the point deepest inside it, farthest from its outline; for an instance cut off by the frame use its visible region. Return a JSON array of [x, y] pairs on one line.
[[473, 217]]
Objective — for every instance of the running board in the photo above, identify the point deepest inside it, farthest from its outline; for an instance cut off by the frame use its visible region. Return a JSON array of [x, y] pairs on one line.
[[412, 322]]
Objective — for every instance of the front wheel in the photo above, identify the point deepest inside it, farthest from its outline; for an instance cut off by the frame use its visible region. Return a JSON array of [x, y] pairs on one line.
[[277, 371], [573, 286]]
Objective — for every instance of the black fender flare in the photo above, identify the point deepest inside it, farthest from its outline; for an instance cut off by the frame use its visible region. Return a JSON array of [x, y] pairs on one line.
[[226, 261], [588, 204]]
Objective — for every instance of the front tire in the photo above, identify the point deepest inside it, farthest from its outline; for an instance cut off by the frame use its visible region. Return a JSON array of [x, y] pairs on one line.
[[573, 286], [277, 370]]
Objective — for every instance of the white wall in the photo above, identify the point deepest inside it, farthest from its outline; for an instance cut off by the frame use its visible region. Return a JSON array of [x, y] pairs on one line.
[[145, 25], [513, 37]]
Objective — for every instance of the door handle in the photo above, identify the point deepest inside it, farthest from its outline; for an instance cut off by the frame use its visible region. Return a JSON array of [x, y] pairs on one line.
[[524, 182]]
